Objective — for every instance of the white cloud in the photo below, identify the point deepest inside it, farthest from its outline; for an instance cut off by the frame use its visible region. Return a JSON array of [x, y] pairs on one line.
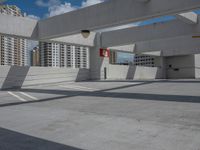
[[56, 7], [34, 17], [60, 9], [50, 3]]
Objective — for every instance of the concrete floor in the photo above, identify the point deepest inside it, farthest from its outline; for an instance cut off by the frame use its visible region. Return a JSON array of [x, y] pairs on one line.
[[110, 115]]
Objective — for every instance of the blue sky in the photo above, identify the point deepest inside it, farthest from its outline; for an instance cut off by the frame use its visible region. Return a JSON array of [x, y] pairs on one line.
[[46, 8]]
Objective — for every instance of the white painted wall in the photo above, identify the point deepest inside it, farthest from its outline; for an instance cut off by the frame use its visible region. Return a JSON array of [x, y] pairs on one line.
[[133, 72], [13, 76], [3, 73], [197, 65]]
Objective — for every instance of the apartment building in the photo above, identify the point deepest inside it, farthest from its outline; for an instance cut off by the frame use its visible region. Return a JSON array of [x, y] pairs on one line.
[[63, 55], [13, 51]]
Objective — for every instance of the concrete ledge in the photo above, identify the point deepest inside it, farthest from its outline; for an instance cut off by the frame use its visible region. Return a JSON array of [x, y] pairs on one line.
[[17, 77], [133, 72]]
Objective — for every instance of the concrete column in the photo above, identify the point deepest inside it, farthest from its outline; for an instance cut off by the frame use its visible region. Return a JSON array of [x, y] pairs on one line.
[[97, 63], [163, 67]]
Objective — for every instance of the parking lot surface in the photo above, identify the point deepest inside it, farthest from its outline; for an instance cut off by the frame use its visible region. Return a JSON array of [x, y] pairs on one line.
[[102, 115]]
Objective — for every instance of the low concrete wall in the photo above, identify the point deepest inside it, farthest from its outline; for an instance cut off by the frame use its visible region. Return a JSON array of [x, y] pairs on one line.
[[181, 73], [197, 65], [197, 73], [133, 72], [181, 67], [14, 76]]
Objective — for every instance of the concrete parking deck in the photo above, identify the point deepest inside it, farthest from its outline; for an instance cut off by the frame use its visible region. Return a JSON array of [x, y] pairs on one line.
[[104, 115]]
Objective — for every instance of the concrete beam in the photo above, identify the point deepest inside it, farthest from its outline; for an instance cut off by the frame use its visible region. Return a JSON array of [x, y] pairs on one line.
[[153, 53], [76, 39], [189, 17], [18, 26], [169, 29], [125, 48], [142, 1], [185, 45], [111, 13]]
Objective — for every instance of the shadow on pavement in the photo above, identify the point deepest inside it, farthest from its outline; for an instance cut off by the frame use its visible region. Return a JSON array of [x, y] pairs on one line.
[[107, 93], [11, 140]]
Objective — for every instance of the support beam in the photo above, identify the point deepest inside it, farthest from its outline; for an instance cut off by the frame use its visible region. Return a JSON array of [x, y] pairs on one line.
[[189, 17], [170, 47], [76, 39], [185, 45], [125, 48], [111, 13], [169, 29], [18, 26], [144, 1]]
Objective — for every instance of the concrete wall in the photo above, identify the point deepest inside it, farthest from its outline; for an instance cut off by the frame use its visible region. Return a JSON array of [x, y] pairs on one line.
[[13, 76], [197, 65], [180, 67], [134, 72]]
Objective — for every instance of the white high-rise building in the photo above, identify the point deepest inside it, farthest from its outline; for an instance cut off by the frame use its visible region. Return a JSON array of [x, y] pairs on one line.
[[13, 51], [63, 55]]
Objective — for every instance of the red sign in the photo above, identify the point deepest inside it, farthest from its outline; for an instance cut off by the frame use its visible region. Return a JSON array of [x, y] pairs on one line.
[[104, 52]]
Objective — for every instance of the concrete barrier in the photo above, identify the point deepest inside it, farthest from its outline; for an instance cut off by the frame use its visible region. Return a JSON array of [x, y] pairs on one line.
[[134, 72], [16, 77], [197, 65]]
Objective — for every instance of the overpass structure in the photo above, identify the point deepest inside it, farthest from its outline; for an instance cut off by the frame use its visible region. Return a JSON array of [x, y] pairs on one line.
[[172, 41]]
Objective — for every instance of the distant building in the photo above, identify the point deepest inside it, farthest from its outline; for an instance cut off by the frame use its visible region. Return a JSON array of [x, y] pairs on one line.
[[113, 57], [13, 51], [35, 57], [63, 55]]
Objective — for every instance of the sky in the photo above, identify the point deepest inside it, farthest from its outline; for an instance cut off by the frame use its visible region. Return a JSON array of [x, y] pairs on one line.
[[40, 9]]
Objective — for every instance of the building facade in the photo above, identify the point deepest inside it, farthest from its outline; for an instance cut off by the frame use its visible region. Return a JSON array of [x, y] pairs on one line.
[[35, 57], [113, 57], [63, 55], [13, 51]]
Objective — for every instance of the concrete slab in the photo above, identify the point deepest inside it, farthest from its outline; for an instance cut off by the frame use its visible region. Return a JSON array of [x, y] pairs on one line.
[[142, 115]]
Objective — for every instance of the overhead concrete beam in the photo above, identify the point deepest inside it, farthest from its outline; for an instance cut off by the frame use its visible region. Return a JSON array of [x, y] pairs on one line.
[[18, 26], [125, 48], [142, 0], [77, 39], [169, 29], [185, 45], [153, 53], [111, 13], [188, 17], [169, 47]]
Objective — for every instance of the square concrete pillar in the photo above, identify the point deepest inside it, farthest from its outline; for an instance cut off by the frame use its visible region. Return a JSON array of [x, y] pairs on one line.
[[98, 65]]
